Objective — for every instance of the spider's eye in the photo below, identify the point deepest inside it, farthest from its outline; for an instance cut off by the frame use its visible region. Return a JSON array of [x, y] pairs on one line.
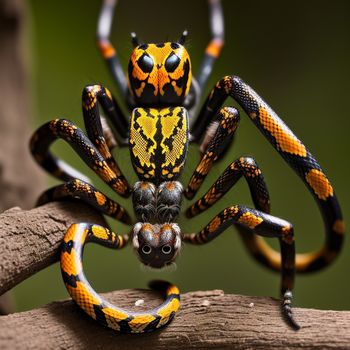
[[145, 62], [146, 249], [166, 249], [172, 63]]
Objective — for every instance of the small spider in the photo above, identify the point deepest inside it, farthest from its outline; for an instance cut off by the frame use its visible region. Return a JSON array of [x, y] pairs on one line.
[[162, 96]]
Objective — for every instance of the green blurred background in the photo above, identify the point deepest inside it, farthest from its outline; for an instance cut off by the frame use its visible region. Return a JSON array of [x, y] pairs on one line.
[[295, 54]]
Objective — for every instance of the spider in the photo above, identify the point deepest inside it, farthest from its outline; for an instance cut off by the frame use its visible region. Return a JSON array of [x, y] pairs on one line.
[[162, 97]]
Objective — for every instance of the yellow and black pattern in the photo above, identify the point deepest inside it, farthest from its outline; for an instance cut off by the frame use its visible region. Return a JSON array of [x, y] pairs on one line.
[[159, 74], [158, 142], [92, 303], [228, 119], [297, 156], [75, 137], [83, 191]]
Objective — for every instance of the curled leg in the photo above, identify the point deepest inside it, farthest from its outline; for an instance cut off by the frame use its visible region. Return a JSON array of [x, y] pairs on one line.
[[75, 137], [78, 189], [297, 156], [92, 303], [264, 225]]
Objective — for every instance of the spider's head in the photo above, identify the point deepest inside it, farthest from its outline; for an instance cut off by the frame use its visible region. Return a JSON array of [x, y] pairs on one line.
[[160, 74], [156, 245]]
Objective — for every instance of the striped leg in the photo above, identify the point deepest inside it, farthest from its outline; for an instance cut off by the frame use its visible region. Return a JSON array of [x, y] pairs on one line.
[[108, 52], [244, 166], [78, 189], [264, 225], [97, 131], [214, 47], [75, 137], [213, 146], [92, 303], [298, 158]]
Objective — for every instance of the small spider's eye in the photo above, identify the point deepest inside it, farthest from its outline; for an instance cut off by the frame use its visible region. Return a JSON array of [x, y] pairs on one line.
[[166, 249], [146, 249], [145, 62], [172, 63]]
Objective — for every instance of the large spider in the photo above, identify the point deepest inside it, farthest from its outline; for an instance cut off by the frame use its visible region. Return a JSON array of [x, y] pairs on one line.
[[162, 95]]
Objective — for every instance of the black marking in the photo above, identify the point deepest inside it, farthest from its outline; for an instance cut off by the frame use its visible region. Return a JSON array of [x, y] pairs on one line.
[[172, 62], [124, 325], [143, 47], [100, 316], [146, 63], [67, 246], [71, 280], [174, 46]]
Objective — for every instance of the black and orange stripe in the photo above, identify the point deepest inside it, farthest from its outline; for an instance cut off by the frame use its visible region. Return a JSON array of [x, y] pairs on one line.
[[92, 303]]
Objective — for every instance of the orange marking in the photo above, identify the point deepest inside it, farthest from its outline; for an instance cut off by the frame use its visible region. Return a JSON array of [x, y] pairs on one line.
[[76, 232], [339, 227], [319, 183], [106, 49], [170, 186], [100, 198], [285, 139], [172, 290], [84, 298], [214, 224], [71, 263], [250, 220], [287, 236], [214, 47]]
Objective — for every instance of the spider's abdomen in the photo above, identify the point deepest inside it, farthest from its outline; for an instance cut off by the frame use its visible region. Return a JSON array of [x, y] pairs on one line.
[[158, 142], [159, 74]]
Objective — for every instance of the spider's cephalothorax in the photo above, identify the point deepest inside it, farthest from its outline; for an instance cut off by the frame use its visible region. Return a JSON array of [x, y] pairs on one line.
[[162, 97]]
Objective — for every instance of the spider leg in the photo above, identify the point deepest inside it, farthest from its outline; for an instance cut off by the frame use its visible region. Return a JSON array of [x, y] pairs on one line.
[[95, 305], [264, 225], [75, 137], [244, 166], [78, 189], [215, 45], [97, 127], [104, 27], [213, 146], [298, 158]]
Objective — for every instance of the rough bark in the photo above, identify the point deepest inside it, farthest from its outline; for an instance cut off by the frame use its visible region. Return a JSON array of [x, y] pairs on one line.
[[206, 320], [29, 240], [19, 178]]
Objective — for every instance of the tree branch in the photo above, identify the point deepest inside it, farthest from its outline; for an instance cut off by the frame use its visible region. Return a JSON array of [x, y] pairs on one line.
[[206, 320], [29, 240]]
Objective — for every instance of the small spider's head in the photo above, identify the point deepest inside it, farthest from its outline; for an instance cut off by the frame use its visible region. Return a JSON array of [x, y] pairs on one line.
[[156, 245], [159, 74]]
